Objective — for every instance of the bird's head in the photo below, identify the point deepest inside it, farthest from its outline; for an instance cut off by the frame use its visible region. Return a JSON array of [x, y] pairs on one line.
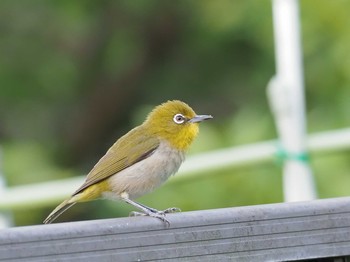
[[175, 122]]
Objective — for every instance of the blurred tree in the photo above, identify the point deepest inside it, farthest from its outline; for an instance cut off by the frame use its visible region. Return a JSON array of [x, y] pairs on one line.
[[75, 75]]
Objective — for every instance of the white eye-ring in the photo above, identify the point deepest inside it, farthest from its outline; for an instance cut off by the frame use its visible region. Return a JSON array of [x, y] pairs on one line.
[[179, 119]]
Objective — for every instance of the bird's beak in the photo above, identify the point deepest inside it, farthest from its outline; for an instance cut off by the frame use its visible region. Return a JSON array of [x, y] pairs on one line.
[[200, 118]]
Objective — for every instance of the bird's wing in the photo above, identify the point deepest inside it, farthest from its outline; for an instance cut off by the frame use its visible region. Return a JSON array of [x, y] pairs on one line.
[[130, 149]]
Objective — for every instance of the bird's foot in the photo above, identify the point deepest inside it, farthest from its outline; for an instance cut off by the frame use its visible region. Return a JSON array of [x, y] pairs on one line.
[[165, 211], [171, 210], [157, 214]]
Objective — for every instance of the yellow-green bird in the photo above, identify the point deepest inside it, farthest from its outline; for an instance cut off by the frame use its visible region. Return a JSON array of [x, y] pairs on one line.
[[141, 160]]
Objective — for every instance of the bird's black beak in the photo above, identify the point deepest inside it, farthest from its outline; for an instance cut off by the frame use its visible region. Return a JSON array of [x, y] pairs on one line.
[[200, 118]]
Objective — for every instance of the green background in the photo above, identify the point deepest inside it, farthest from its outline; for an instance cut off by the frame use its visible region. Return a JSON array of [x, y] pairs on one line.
[[76, 75]]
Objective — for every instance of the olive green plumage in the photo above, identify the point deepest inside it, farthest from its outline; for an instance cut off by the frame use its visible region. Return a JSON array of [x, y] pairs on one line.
[[141, 160]]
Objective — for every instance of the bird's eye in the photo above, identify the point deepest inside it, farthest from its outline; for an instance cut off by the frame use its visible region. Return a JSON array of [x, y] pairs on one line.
[[179, 119]]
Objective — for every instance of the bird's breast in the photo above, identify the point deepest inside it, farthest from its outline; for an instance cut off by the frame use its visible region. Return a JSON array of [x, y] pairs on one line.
[[148, 174]]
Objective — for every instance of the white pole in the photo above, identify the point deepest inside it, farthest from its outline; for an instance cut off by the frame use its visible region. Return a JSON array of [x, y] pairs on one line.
[[286, 94]]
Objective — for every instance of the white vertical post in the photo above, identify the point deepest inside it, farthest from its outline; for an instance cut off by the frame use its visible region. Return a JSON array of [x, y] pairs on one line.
[[286, 96]]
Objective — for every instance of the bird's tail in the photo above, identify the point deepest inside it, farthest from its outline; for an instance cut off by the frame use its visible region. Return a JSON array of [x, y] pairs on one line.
[[58, 211]]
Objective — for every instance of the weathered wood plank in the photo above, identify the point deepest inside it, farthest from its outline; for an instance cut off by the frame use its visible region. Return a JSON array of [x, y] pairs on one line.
[[276, 232]]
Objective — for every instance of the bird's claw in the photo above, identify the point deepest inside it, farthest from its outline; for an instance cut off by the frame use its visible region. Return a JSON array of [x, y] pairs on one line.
[[171, 210], [157, 214]]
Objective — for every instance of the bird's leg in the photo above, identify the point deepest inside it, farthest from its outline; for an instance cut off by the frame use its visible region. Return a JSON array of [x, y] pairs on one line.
[[166, 211], [149, 208], [147, 211]]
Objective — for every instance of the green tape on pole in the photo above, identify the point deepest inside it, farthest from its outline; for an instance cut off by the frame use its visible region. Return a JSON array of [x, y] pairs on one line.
[[283, 155]]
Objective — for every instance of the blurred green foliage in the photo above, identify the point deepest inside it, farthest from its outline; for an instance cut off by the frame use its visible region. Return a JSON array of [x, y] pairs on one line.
[[76, 75]]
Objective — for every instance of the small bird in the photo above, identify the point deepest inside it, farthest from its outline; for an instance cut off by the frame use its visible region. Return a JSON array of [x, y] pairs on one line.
[[141, 160]]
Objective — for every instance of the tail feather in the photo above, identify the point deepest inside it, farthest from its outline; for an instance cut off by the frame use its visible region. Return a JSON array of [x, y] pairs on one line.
[[91, 193], [58, 211]]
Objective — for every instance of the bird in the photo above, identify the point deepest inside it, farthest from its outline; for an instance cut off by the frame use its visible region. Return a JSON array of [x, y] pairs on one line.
[[140, 161]]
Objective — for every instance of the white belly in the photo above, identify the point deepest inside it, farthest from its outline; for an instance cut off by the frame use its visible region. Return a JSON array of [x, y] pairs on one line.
[[146, 175]]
